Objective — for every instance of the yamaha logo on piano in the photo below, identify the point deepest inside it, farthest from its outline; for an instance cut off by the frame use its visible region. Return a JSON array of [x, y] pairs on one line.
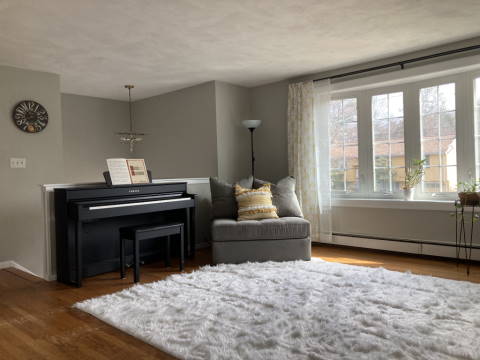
[[133, 190]]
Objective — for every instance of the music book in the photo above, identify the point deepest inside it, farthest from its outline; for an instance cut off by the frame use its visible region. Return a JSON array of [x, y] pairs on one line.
[[127, 171]]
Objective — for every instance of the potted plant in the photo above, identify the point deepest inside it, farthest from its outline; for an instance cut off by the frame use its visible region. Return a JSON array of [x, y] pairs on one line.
[[469, 193], [413, 175]]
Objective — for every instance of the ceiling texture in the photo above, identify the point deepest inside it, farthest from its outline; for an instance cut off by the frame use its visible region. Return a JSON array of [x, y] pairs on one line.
[[97, 46]]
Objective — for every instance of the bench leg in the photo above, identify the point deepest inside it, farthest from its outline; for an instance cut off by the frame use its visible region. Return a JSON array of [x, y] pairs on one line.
[[167, 252], [122, 258], [182, 250], [136, 261]]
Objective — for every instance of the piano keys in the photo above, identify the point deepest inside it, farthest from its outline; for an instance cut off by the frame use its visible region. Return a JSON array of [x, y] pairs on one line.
[[88, 221]]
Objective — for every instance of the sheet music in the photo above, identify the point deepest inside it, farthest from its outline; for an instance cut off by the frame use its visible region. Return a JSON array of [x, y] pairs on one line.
[[138, 171], [119, 172]]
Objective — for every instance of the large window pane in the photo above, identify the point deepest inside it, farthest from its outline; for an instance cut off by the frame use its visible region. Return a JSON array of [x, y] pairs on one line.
[[388, 142], [439, 147], [344, 145]]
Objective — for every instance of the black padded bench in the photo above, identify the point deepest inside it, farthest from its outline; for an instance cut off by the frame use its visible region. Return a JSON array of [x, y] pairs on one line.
[[139, 233]]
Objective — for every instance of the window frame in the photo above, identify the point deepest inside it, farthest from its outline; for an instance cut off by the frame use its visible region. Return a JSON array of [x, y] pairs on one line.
[[464, 122]]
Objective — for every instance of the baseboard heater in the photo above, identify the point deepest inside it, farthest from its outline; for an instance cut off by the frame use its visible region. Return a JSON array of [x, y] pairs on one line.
[[420, 242]]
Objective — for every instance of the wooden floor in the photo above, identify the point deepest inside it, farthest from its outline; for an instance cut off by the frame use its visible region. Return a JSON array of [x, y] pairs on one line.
[[37, 322]]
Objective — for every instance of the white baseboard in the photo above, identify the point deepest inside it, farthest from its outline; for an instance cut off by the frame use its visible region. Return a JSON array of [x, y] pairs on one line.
[[13, 264], [404, 247], [6, 264]]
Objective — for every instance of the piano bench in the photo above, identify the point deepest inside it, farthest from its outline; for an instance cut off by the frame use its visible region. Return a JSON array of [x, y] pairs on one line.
[[139, 233]]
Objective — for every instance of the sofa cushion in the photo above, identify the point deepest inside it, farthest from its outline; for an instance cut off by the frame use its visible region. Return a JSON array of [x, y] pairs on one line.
[[284, 197], [266, 229], [224, 204]]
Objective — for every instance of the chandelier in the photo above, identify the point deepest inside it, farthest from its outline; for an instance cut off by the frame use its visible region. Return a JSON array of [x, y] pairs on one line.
[[130, 137]]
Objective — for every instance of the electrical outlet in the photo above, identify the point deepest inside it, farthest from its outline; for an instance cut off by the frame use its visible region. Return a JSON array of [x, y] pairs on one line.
[[18, 163]]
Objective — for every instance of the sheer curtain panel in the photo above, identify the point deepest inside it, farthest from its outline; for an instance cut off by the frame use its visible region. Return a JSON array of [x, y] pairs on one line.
[[308, 153]]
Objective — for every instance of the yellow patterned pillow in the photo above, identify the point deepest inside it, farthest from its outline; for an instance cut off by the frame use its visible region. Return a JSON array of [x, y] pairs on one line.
[[255, 204]]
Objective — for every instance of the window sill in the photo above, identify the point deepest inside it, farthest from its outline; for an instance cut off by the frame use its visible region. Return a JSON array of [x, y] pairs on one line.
[[435, 205]]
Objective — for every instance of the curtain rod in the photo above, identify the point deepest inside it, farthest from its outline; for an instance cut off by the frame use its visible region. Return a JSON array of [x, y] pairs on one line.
[[402, 63]]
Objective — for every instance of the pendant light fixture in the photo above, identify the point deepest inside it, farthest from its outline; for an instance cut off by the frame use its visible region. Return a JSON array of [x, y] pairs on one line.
[[131, 137]]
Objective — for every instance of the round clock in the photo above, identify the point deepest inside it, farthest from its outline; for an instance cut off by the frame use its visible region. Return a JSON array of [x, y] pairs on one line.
[[30, 116]]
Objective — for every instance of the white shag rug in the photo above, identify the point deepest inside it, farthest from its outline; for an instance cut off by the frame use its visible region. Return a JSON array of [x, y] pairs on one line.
[[299, 310]]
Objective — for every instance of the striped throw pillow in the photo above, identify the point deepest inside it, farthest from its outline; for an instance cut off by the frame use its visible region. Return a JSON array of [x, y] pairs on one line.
[[255, 204]]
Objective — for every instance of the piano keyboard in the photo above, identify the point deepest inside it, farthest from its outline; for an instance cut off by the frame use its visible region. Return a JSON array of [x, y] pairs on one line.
[[142, 203]]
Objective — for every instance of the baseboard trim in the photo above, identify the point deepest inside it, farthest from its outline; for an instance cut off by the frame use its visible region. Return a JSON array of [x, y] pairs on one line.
[[429, 248], [13, 264], [390, 252], [6, 264]]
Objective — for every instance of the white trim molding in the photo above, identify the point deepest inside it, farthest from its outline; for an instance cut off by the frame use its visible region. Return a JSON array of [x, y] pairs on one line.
[[189, 181], [418, 248], [13, 264]]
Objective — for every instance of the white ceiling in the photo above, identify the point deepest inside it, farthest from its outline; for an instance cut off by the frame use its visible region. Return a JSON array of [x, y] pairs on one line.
[[97, 46]]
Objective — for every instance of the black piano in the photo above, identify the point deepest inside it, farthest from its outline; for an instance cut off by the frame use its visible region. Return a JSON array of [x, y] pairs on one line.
[[88, 220]]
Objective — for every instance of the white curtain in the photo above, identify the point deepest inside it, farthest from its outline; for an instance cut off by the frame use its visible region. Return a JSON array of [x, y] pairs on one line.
[[309, 153]]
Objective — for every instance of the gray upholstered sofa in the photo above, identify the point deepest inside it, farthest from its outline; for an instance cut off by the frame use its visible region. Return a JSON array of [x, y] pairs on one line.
[[284, 239]]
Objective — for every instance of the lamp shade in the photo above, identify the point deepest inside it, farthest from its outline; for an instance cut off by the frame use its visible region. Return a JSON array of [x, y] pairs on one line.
[[251, 124]]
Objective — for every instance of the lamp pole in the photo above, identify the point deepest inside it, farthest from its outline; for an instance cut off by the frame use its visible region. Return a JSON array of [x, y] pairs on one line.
[[253, 154], [252, 125]]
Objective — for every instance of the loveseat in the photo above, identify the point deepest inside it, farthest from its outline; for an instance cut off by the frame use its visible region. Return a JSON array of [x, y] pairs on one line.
[[284, 239]]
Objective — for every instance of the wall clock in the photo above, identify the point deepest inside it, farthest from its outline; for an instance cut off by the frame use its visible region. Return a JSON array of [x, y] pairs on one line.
[[30, 116]]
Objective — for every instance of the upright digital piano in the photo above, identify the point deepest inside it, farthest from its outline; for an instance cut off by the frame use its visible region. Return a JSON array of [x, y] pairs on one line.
[[88, 220]]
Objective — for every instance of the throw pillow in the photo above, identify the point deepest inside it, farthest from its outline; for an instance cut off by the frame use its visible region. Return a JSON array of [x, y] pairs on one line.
[[284, 197], [224, 204], [255, 204]]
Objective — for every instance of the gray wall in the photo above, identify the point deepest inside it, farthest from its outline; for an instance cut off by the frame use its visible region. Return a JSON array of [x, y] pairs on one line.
[[21, 212], [269, 104], [89, 127], [181, 132], [233, 140]]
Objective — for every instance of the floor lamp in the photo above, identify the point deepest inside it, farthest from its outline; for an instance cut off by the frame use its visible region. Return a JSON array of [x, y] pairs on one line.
[[252, 125]]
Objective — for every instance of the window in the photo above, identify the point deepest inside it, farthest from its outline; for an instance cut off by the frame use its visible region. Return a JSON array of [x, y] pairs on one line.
[[377, 130], [438, 138], [476, 105], [344, 145], [388, 142]]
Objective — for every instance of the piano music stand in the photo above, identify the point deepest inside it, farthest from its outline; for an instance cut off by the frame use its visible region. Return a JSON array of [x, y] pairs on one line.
[[108, 180]]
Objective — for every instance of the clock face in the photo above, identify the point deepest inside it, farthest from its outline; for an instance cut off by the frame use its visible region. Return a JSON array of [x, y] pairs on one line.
[[30, 116]]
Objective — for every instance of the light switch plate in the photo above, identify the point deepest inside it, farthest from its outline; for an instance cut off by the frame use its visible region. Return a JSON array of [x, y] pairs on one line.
[[18, 163]]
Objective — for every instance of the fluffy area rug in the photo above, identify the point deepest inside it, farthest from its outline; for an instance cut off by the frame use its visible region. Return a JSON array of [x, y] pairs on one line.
[[299, 310]]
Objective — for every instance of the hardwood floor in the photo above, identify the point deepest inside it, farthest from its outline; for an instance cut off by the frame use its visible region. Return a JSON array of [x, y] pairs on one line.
[[37, 321]]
